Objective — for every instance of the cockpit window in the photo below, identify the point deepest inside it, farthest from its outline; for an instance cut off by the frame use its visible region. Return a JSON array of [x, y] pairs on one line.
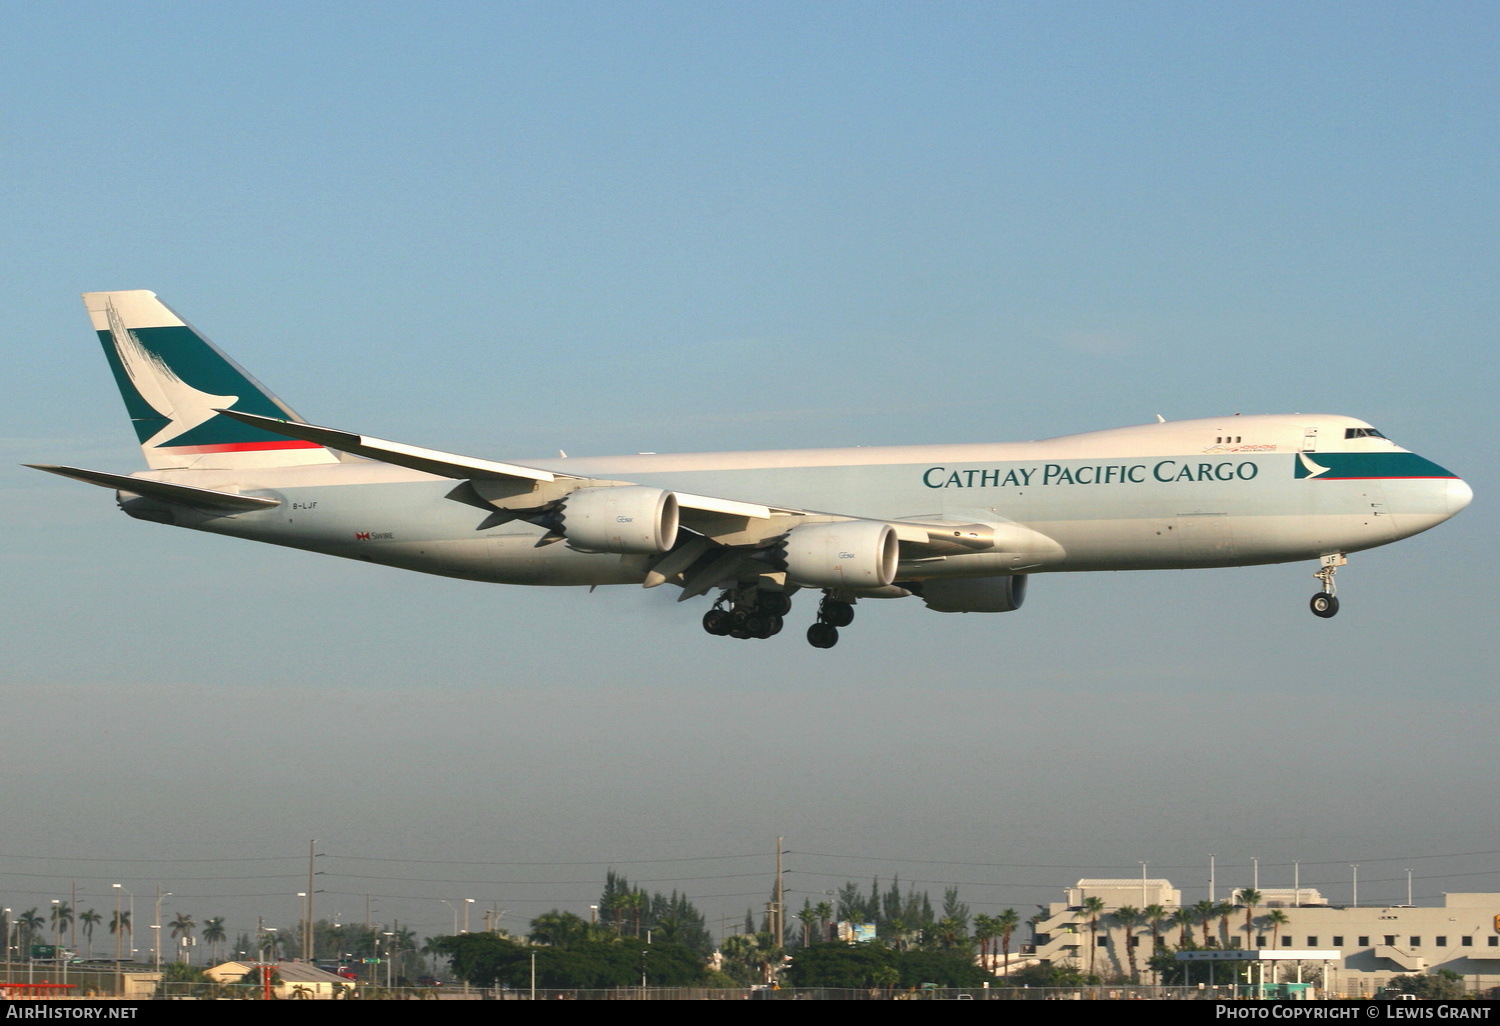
[[1362, 433]]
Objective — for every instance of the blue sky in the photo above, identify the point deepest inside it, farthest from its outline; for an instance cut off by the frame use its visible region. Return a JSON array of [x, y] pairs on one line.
[[507, 229]]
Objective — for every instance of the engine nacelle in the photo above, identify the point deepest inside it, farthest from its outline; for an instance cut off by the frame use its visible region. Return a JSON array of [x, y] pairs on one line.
[[630, 519], [848, 554], [976, 594]]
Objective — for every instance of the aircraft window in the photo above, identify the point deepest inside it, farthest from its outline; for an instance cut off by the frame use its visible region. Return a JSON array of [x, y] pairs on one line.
[[1362, 433]]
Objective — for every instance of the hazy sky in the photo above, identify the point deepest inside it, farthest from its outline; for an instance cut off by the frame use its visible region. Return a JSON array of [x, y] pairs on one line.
[[504, 229]]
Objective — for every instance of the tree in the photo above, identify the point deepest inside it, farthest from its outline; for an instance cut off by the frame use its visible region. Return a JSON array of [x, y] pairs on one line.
[[1056, 975], [270, 944], [1156, 916], [742, 958], [182, 930], [1006, 923], [985, 931], [1443, 985], [28, 923], [808, 916], [1204, 912], [62, 918], [1223, 912], [825, 915], [1129, 917], [1249, 897], [841, 965], [1276, 919], [213, 932], [485, 960], [1090, 909], [1183, 918], [558, 929], [90, 919]]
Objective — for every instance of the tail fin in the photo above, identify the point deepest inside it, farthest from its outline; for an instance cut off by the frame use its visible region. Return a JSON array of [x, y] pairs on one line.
[[173, 380]]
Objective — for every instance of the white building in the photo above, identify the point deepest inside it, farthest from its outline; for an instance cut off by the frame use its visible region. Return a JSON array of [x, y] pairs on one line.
[[1373, 943]]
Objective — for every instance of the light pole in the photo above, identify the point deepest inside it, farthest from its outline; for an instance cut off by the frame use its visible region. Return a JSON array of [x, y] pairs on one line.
[[157, 924], [467, 903]]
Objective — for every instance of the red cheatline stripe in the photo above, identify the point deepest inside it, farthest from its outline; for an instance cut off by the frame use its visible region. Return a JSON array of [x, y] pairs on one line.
[[290, 443]]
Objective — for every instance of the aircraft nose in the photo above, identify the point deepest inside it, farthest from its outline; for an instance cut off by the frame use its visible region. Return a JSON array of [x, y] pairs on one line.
[[1459, 495]]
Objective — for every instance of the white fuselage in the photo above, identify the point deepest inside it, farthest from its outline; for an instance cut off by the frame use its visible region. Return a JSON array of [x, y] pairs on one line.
[[1223, 492]]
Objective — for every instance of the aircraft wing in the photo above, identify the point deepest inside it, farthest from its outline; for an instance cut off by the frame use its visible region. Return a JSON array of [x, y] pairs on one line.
[[730, 530], [494, 480]]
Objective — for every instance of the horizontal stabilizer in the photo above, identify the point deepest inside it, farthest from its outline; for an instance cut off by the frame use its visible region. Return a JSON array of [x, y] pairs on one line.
[[206, 498]]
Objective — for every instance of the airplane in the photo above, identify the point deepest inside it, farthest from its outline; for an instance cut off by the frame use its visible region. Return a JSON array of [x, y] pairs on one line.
[[962, 527]]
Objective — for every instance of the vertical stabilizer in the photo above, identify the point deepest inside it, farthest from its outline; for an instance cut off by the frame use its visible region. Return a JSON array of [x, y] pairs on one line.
[[173, 379]]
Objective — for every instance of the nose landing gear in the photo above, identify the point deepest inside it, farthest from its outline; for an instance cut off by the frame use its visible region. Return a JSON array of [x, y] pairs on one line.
[[1326, 602]]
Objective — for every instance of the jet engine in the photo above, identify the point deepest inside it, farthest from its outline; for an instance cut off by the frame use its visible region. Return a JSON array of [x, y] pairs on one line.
[[976, 594], [630, 519], [848, 554]]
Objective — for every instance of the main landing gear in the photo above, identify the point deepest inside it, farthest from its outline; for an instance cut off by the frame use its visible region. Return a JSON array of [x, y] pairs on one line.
[[749, 613], [753, 613], [832, 614], [1326, 602]]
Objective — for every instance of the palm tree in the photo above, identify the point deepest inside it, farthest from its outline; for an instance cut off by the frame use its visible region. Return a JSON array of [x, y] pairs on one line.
[[1155, 915], [825, 916], [62, 918], [557, 929], [616, 905], [1249, 897], [1183, 919], [1222, 912], [119, 926], [808, 916], [1129, 917], [213, 932], [1204, 912], [27, 925], [1091, 907], [1277, 919], [90, 919], [182, 927], [985, 931], [639, 902], [1005, 924]]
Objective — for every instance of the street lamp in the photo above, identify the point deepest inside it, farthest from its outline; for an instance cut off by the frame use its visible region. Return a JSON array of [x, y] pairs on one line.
[[157, 927]]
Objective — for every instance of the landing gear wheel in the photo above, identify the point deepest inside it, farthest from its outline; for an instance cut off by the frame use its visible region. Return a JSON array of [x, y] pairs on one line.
[[716, 622], [839, 614], [822, 635], [775, 603], [1324, 605], [772, 626]]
